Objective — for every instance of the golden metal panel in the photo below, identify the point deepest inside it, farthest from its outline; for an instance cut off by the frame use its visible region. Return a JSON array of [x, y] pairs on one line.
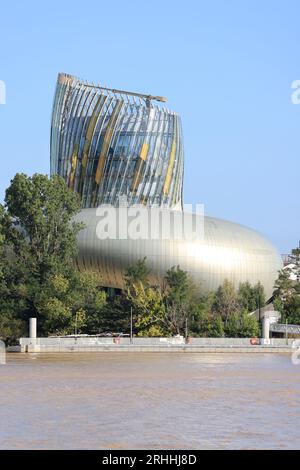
[[139, 167], [137, 175], [91, 128], [107, 139], [144, 151], [74, 160], [168, 179]]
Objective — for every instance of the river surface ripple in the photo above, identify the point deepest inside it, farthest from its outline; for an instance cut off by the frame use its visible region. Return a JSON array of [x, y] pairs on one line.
[[149, 401]]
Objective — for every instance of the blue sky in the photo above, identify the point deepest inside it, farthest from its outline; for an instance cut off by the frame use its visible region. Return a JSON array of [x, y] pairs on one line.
[[225, 66]]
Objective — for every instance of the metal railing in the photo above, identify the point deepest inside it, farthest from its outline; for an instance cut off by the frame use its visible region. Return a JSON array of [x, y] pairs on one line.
[[282, 328]]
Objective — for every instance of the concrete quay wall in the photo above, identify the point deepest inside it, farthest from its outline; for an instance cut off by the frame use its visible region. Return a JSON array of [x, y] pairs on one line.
[[100, 344]]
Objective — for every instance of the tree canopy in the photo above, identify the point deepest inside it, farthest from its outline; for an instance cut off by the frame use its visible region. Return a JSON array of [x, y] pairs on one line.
[[287, 290], [38, 247], [39, 278]]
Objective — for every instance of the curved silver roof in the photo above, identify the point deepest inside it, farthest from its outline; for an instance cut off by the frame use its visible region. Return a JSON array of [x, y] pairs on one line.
[[227, 251]]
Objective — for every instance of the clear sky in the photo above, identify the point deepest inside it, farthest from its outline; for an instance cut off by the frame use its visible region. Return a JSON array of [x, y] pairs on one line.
[[225, 66]]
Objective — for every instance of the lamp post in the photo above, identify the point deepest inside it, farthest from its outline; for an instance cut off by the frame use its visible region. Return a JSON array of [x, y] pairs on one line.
[[131, 326], [76, 324]]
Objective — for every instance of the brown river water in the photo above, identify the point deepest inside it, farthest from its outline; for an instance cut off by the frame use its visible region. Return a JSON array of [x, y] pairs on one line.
[[149, 401]]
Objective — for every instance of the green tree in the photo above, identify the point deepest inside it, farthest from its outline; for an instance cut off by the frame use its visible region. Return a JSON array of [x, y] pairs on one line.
[[226, 301], [11, 324], [115, 315], [37, 249], [79, 321], [259, 296], [241, 324], [179, 299], [40, 239], [296, 270], [137, 274], [149, 311], [284, 288], [291, 311], [72, 304], [146, 302], [42, 230], [2, 238], [87, 295], [251, 298], [11, 328], [287, 290], [208, 324]]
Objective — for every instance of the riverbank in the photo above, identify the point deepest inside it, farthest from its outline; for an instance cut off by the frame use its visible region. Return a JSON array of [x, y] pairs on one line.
[[175, 344], [155, 349]]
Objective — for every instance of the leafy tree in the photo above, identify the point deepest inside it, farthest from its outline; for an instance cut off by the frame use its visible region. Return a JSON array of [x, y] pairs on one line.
[[146, 302], [287, 291], [11, 325], [149, 311], [137, 274], [87, 296], [217, 327], [291, 311], [284, 287], [38, 241], [296, 271], [56, 315], [156, 312], [2, 264], [115, 315], [241, 324], [42, 231], [1, 242], [208, 324], [11, 328], [245, 296], [250, 297], [179, 285], [79, 321], [226, 301], [179, 298], [202, 316], [72, 304], [259, 296], [41, 238]]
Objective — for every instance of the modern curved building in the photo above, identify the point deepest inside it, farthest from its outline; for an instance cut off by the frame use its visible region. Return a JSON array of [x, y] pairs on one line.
[[111, 146], [108, 144]]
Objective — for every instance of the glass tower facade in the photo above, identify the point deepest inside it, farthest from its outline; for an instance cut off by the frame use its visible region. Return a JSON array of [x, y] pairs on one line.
[[108, 144]]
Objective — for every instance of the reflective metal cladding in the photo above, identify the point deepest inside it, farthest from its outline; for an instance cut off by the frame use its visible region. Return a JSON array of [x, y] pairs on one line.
[[227, 251], [110, 144]]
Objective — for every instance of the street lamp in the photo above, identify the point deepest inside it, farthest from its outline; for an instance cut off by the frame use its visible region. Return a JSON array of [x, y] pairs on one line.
[[131, 326], [186, 327], [76, 324]]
